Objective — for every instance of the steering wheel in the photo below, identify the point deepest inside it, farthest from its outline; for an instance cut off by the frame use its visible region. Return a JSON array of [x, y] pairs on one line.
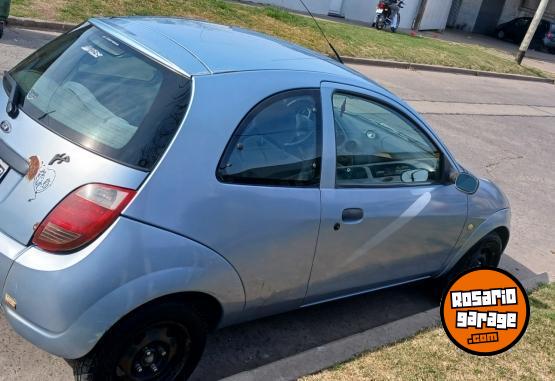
[[305, 121]]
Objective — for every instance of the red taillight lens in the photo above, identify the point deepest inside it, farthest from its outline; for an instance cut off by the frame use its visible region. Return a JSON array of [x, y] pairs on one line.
[[81, 217], [381, 5]]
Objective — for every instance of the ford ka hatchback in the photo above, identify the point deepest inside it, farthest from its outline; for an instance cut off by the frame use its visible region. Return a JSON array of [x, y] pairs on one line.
[[161, 177]]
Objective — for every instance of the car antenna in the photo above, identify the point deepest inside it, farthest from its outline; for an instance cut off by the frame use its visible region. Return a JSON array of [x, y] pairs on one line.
[[321, 31]]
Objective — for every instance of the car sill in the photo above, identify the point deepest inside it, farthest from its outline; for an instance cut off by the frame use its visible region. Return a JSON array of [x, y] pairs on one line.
[[366, 291]]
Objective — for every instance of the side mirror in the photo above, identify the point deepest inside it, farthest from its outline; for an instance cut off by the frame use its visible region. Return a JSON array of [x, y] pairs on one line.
[[415, 176], [467, 183]]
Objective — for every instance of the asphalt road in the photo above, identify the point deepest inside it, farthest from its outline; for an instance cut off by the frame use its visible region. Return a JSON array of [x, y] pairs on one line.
[[500, 129]]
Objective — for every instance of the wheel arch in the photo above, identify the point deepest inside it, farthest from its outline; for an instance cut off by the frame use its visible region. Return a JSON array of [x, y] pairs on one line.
[[498, 222], [206, 305]]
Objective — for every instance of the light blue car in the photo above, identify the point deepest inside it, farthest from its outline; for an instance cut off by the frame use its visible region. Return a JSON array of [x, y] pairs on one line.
[[161, 177]]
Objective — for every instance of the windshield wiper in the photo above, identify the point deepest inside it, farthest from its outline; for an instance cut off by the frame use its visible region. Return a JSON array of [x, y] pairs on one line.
[[46, 114], [12, 108]]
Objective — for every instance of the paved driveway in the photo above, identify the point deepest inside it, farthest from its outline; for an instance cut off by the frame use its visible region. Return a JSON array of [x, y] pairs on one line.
[[498, 128]]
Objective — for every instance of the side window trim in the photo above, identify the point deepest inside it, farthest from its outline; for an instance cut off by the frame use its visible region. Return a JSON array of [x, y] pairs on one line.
[[253, 112], [391, 106]]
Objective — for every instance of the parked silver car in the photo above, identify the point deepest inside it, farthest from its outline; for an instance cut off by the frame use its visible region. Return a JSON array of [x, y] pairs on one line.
[[162, 177]]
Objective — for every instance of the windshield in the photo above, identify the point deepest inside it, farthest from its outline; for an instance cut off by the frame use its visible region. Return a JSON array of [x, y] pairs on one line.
[[99, 93]]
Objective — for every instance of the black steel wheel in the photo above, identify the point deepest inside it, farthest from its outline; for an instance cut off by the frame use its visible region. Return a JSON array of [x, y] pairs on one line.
[[157, 342], [158, 352], [486, 253]]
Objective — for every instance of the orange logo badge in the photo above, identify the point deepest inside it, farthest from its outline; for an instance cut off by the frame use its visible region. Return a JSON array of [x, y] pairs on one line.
[[485, 311]]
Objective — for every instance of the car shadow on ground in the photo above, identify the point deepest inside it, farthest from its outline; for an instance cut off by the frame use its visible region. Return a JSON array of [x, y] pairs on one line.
[[247, 346]]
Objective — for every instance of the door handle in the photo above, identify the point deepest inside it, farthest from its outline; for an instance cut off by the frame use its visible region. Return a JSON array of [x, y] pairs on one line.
[[352, 215]]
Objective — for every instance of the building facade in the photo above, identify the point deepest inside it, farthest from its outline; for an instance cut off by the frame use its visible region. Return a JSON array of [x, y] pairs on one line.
[[478, 16], [361, 10], [482, 16]]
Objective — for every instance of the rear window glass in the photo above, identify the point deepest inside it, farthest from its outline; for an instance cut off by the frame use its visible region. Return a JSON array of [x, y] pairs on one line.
[[99, 93]]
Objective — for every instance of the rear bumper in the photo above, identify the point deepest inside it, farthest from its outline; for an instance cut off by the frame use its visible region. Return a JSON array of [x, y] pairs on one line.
[[9, 251]]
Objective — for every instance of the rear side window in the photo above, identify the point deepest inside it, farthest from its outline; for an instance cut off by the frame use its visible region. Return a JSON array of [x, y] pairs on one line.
[[278, 143], [99, 93]]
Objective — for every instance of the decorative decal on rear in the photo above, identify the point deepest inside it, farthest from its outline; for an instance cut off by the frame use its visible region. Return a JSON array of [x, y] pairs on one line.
[[34, 165], [60, 158], [42, 176], [45, 178]]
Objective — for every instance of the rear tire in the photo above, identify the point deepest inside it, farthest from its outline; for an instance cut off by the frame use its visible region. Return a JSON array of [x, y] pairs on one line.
[[380, 22], [162, 341], [486, 253]]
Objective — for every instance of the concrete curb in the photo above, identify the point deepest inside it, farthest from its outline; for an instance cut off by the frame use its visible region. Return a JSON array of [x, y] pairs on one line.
[[443, 69], [62, 27], [328, 355], [535, 282], [40, 24]]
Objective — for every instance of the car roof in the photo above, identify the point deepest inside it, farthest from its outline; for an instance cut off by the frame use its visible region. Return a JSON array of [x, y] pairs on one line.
[[200, 48]]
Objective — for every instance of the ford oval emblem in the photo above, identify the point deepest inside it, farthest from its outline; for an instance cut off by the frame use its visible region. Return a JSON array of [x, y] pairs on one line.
[[6, 127]]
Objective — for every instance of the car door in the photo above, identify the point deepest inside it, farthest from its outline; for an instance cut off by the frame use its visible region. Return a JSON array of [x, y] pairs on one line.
[[389, 213]]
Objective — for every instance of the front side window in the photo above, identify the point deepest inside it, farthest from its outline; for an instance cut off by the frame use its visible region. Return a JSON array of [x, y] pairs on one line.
[[377, 146], [278, 143], [99, 93]]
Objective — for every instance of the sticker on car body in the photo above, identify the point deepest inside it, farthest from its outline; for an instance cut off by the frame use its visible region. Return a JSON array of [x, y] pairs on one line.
[[92, 51]]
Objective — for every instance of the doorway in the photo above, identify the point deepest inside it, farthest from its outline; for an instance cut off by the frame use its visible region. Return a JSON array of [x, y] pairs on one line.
[[488, 17]]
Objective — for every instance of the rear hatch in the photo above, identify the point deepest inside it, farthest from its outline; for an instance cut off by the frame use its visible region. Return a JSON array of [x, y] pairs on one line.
[[90, 109]]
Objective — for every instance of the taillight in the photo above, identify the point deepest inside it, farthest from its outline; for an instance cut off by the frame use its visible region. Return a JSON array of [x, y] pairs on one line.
[[81, 217], [549, 35], [381, 5]]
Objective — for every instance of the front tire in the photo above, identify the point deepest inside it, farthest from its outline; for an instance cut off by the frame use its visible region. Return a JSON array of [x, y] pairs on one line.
[[161, 341], [486, 253], [380, 22]]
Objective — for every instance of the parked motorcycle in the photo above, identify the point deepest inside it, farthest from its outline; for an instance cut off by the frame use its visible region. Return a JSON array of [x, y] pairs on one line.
[[385, 17]]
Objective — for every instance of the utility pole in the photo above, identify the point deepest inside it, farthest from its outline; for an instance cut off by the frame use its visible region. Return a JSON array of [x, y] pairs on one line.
[[531, 31]]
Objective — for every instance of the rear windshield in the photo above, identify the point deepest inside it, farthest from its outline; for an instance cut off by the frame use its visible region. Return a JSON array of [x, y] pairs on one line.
[[95, 91]]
